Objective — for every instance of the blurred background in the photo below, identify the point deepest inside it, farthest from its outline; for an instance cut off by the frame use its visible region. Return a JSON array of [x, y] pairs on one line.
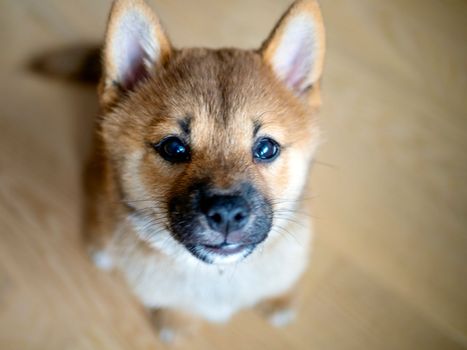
[[389, 269]]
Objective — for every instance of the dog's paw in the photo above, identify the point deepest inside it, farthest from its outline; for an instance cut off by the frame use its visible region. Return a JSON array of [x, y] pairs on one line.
[[173, 327], [279, 311], [168, 335], [282, 318], [102, 259]]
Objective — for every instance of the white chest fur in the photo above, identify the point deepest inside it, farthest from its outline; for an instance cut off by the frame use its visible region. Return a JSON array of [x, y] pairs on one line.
[[214, 292]]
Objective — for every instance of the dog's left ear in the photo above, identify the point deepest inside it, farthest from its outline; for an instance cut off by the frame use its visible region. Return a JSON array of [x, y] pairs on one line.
[[135, 46], [295, 49]]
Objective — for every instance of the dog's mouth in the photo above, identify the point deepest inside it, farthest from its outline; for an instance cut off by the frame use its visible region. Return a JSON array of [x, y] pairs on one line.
[[225, 249], [222, 253], [219, 225]]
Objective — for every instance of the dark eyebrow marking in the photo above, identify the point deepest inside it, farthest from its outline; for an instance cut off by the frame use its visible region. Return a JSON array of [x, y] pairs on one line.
[[256, 125], [185, 125]]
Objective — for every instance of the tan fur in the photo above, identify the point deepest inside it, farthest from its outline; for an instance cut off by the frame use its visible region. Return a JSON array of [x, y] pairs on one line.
[[223, 92]]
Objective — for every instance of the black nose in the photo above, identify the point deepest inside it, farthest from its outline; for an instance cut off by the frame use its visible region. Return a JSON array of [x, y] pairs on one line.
[[226, 214]]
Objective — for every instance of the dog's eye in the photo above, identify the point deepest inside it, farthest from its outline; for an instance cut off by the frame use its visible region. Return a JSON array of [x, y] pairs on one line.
[[266, 150], [173, 150]]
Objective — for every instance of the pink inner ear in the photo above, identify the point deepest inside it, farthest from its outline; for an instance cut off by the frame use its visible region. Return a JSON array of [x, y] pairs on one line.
[[135, 69], [293, 58], [299, 69], [133, 48]]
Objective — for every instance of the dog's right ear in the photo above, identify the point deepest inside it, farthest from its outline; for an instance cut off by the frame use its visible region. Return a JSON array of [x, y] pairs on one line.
[[135, 46]]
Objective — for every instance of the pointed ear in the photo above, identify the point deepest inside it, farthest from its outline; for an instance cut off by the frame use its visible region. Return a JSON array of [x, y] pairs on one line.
[[135, 45], [295, 48]]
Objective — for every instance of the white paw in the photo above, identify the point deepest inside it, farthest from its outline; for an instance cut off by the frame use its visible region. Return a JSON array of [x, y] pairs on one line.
[[282, 318], [167, 335], [102, 260]]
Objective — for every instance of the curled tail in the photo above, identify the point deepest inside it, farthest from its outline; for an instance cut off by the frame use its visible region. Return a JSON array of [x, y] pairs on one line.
[[76, 63]]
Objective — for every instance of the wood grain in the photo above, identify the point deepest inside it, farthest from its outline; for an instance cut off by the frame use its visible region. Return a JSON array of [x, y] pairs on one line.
[[389, 195]]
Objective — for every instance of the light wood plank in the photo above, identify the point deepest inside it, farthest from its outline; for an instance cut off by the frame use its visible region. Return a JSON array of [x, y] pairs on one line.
[[390, 257]]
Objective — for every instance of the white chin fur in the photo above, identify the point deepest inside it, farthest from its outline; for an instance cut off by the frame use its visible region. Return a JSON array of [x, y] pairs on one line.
[[230, 259], [219, 259]]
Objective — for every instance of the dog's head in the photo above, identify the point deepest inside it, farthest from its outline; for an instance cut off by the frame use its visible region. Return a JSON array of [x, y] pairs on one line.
[[210, 148]]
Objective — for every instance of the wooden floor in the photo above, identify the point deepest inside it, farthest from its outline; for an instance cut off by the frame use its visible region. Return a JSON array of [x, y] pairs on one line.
[[390, 195]]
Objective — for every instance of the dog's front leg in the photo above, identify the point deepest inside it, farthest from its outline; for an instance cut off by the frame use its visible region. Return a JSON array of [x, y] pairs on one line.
[[97, 244], [99, 210]]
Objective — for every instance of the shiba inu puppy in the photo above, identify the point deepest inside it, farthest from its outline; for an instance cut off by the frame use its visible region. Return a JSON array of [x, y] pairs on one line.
[[200, 161]]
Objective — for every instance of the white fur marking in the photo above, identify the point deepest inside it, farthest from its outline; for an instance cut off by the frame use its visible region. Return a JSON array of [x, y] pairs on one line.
[[282, 318], [167, 335], [102, 260]]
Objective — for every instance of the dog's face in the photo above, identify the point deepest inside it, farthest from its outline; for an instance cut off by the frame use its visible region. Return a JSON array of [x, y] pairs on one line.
[[210, 148]]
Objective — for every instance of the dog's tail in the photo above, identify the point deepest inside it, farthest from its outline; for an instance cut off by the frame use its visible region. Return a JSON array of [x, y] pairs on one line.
[[76, 63]]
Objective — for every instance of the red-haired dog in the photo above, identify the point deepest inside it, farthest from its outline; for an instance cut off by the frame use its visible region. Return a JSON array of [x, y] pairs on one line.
[[200, 160]]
